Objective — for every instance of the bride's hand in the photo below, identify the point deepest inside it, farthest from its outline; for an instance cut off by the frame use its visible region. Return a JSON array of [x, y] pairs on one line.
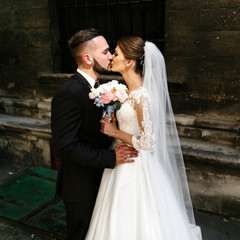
[[108, 128], [108, 119]]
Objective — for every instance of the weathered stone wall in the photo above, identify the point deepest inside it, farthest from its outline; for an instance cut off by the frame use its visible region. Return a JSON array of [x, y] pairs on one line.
[[25, 46], [203, 52], [25, 141]]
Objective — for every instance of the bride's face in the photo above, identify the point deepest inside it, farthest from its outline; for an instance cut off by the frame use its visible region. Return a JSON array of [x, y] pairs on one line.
[[119, 62]]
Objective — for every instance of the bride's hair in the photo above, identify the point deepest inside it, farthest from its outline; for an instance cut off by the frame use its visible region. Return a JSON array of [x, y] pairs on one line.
[[133, 48]]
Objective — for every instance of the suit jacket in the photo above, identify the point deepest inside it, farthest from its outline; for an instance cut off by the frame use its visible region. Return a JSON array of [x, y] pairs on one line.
[[78, 142]]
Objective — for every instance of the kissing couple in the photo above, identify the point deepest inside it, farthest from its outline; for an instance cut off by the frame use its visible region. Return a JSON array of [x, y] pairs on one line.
[[122, 179]]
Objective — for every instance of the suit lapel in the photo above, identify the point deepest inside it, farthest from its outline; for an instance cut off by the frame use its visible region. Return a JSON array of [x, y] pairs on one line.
[[82, 80]]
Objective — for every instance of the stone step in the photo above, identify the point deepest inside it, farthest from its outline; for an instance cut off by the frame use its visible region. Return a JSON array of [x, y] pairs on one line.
[[202, 152], [50, 82], [39, 109], [219, 137], [203, 127], [213, 176], [209, 129], [212, 168], [25, 140]]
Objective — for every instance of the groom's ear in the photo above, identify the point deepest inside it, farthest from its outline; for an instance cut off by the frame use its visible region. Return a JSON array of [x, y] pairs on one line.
[[88, 59]]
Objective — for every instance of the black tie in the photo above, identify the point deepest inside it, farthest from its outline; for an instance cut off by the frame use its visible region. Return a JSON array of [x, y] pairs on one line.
[[96, 84]]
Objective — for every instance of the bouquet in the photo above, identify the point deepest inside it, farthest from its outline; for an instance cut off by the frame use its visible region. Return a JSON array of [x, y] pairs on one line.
[[110, 96]]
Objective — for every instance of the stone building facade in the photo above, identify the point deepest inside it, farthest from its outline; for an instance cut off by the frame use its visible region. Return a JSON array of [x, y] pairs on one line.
[[201, 48], [25, 45], [202, 51]]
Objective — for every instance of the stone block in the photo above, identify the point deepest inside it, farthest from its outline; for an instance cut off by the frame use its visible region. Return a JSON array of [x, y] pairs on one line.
[[42, 145], [233, 3], [25, 140], [30, 4], [25, 45], [3, 143], [221, 124], [208, 153], [38, 38], [182, 44], [181, 4], [19, 144], [32, 138], [219, 43], [26, 107], [44, 105], [13, 39], [198, 4], [36, 59], [180, 67], [7, 18], [185, 120], [32, 18], [8, 57], [219, 19], [179, 21], [216, 4], [13, 4], [6, 4], [207, 135], [238, 142], [214, 189], [218, 67]]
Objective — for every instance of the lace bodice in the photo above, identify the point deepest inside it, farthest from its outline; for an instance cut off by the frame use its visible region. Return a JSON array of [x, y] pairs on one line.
[[128, 119]]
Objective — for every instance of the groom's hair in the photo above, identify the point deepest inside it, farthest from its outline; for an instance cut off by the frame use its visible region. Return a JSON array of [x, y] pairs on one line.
[[76, 42]]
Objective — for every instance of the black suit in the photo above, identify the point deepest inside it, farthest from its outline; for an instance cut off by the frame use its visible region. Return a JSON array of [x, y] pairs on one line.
[[81, 148]]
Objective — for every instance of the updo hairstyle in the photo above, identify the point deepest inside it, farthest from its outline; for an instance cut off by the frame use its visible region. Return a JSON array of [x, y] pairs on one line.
[[133, 48]]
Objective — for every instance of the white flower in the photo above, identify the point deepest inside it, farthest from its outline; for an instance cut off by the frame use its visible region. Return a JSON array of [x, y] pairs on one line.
[[116, 90]]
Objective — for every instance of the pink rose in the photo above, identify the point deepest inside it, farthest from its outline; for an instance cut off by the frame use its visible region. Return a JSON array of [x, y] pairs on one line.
[[122, 95], [107, 97], [115, 97]]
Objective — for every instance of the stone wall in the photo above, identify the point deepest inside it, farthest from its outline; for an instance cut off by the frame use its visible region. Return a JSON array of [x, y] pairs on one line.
[[25, 140], [25, 46], [202, 50], [202, 56]]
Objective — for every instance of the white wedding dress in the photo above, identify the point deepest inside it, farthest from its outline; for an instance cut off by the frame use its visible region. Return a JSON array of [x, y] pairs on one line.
[[126, 207]]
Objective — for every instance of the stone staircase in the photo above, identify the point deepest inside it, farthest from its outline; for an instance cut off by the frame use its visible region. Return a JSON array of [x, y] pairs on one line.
[[211, 150], [25, 131], [210, 144], [39, 109]]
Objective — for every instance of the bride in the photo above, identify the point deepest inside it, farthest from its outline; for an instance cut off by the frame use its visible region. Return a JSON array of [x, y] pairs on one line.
[[148, 199]]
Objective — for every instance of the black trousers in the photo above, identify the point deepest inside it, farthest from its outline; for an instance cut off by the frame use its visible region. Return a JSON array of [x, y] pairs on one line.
[[78, 216]]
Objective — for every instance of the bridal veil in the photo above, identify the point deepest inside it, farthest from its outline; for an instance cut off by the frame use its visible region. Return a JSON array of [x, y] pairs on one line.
[[166, 155]]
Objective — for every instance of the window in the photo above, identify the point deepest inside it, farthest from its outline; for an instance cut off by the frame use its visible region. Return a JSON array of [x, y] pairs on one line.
[[114, 18]]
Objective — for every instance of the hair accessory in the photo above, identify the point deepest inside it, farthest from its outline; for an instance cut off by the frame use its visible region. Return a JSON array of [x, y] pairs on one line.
[[142, 59]]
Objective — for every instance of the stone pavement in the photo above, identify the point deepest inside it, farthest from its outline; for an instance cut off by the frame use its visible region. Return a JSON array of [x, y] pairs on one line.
[[213, 227]]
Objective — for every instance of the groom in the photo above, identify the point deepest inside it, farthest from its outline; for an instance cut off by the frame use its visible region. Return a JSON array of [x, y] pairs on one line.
[[75, 123]]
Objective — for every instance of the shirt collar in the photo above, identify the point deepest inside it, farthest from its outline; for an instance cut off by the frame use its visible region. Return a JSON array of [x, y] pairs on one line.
[[90, 80]]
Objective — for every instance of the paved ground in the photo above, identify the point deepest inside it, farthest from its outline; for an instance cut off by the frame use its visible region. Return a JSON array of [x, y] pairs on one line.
[[213, 227]]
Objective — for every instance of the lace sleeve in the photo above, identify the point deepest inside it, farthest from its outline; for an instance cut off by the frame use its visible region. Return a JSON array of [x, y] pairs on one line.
[[144, 140]]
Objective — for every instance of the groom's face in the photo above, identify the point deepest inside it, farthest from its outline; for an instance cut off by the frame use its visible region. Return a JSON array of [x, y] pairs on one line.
[[102, 56]]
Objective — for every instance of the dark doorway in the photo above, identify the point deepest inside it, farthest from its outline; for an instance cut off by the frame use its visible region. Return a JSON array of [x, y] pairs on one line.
[[114, 18]]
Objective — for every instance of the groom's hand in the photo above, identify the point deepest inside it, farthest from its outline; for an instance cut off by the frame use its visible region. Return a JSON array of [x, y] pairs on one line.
[[124, 153]]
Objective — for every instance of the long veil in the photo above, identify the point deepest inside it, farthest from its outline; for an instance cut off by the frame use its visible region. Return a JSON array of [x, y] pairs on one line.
[[167, 154]]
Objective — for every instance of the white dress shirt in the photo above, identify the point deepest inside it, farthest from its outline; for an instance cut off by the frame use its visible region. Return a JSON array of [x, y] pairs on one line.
[[90, 80]]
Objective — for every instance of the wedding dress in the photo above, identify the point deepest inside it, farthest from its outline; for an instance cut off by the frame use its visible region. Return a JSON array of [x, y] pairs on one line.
[[147, 199], [125, 207]]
